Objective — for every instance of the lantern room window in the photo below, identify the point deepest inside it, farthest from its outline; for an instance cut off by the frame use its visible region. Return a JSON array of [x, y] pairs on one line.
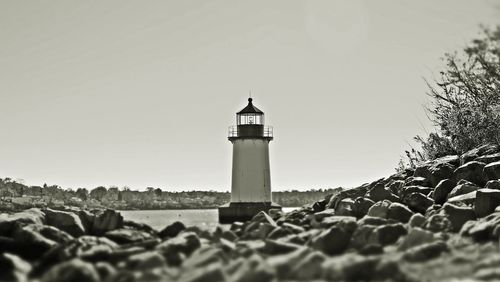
[[250, 119]]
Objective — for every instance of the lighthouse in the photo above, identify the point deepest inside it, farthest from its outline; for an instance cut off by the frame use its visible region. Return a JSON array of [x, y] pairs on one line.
[[251, 175]]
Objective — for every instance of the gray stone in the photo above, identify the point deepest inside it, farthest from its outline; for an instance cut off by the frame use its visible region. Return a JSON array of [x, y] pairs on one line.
[[127, 236], [458, 216], [379, 209], [443, 188], [492, 171], [399, 212], [172, 230], [486, 201], [418, 202], [493, 184], [361, 206], [416, 237], [438, 223], [332, 241], [471, 171], [417, 220], [66, 221], [462, 189], [387, 234], [13, 268], [71, 271], [425, 252], [105, 221]]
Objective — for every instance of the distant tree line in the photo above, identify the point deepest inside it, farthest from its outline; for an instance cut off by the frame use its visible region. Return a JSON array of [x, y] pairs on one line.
[[12, 191]]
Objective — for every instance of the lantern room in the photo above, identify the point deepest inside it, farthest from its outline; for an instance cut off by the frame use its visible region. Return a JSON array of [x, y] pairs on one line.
[[250, 115]]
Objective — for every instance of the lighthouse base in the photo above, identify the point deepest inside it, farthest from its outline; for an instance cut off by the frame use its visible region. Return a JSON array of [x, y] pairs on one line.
[[232, 212]]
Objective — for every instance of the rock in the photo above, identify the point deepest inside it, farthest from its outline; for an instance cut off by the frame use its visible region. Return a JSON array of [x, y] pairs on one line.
[[345, 207], [371, 249], [458, 216], [252, 269], [186, 243], [326, 213], [482, 229], [379, 209], [489, 158], [172, 230], [105, 221], [212, 272], [379, 193], [395, 186], [453, 160], [399, 212], [332, 241], [13, 268], [309, 267], [418, 202], [467, 199], [486, 201], [354, 267], [438, 223], [488, 274], [416, 220], [416, 237], [71, 271], [425, 252], [87, 218], [361, 206], [439, 172], [407, 190], [478, 152], [417, 181], [350, 193], [335, 220], [493, 184], [34, 240], [492, 171], [443, 188], [471, 171], [278, 232], [283, 264], [462, 189], [127, 236], [372, 220], [263, 217], [146, 260], [30, 216], [387, 234], [273, 247], [66, 221]]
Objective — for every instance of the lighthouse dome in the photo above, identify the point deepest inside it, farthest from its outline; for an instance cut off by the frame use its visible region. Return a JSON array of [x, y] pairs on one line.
[[250, 108]]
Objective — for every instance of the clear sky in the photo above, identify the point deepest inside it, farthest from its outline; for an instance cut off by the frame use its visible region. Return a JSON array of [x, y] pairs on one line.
[[140, 93]]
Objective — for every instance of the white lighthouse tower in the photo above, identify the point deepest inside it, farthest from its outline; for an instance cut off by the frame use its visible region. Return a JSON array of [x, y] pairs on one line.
[[251, 176]]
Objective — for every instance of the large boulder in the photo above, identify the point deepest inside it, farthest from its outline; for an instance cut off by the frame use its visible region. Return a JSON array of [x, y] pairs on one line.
[[66, 221], [71, 271], [461, 189], [172, 230], [458, 216], [486, 201], [379, 209], [443, 188], [361, 206], [379, 193], [13, 268], [492, 170], [418, 202], [105, 221], [471, 171], [440, 171], [399, 212], [334, 240]]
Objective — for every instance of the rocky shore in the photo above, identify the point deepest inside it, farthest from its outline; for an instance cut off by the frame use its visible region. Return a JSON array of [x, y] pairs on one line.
[[439, 222]]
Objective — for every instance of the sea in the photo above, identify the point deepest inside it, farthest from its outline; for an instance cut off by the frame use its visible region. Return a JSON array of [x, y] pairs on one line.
[[158, 219]]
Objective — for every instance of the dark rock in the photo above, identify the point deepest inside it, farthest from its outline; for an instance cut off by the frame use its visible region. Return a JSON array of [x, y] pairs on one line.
[[87, 218], [172, 230], [489, 158], [66, 221], [263, 217], [425, 252], [278, 232], [308, 268], [388, 234], [354, 267], [273, 247], [335, 220], [362, 236], [247, 270], [379, 193], [332, 241], [471, 171], [492, 171], [293, 228], [371, 249], [407, 190], [418, 202], [30, 216], [475, 153], [443, 188], [13, 268], [361, 206], [146, 260], [417, 181], [458, 216], [126, 236], [486, 201], [493, 184], [71, 271], [438, 223], [283, 264], [345, 207], [462, 189], [350, 193], [326, 213], [416, 220], [453, 160], [416, 237], [186, 243], [399, 212], [379, 209], [372, 220], [440, 171], [105, 221]]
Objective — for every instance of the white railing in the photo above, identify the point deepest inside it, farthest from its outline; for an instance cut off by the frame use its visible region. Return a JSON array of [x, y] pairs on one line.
[[267, 132]]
